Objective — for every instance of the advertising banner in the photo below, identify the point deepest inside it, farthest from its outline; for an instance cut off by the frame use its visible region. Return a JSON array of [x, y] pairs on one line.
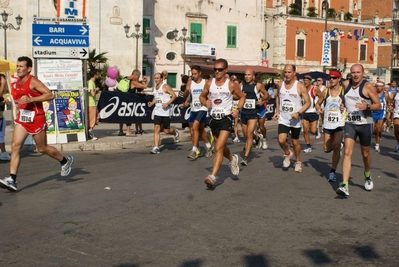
[[49, 112], [326, 52], [60, 74], [68, 107]]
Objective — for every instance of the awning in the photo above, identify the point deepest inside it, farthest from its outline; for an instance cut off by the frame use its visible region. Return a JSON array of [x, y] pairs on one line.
[[240, 69], [6, 65]]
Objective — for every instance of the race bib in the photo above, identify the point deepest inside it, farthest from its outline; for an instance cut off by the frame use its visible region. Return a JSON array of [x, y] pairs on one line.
[[287, 107], [249, 104], [332, 116], [354, 116], [158, 100], [197, 104], [26, 116], [218, 113]]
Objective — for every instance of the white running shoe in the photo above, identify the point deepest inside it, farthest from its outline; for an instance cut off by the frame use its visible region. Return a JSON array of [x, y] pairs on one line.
[[236, 140], [307, 149], [287, 160], [343, 190], [155, 150], [298, 166], [210, 181], [368, 184], [264, 144], [66, 168], [318, 135], [8, 183], [5, 156], [177, 136], [235, 169], [387, 130], [377, 148]]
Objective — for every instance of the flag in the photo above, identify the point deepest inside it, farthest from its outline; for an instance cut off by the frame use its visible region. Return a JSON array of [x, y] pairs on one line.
[[349, 34], [342, 34], [332, 33], [366, 39], [361, 32], [375, 39], [382, 40], [357, 37], [377, 28], [389, 30], [355, 33], [371, 29]]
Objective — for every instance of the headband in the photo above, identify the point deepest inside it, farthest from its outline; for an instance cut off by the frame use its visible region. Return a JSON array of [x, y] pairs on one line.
[[334, 74]]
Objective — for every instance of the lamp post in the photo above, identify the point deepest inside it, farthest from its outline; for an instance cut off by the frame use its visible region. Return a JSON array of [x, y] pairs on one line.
[[184, 39], [325, 7], [136, 35], [8, 26]]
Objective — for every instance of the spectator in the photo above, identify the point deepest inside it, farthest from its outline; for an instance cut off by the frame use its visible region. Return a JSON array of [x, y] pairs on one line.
[[3, 122], [184, 80], [92, 107]]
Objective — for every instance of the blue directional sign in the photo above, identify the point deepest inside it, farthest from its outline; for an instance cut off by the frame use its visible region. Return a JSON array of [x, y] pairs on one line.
[[54, 40]]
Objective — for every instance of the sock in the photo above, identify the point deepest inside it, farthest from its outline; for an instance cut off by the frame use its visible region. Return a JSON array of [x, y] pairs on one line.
[[208, 145], [194, 148], [245, 157], [63, 161], [367, 174], [345, 183], [14, 177], [332, 170]]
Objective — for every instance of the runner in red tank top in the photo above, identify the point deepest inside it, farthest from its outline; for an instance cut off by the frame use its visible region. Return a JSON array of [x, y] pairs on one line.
[[28, 96]]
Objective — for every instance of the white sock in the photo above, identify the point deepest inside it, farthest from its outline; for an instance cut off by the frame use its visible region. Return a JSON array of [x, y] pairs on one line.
[[208, 145]]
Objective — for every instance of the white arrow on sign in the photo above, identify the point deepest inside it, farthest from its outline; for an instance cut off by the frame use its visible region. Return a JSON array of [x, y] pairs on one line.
[[37, 40], [83, 30]]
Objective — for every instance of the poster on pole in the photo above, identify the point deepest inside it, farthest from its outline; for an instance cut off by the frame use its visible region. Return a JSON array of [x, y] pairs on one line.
[[69, 112], [60, 74], [49, 112], [326, 51]]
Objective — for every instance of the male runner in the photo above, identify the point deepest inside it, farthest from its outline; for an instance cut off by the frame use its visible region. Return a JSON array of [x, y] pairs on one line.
[[379, 115]]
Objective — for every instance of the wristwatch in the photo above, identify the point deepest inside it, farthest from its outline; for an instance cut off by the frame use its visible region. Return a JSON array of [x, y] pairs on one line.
[[368, 107], [299, 113]]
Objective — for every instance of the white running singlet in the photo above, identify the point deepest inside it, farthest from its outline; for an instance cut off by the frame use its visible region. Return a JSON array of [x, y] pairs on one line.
[[290, 102], [195, 91], [161, 97], [396, 105], [355, 116], [333, 117], [222, 100]]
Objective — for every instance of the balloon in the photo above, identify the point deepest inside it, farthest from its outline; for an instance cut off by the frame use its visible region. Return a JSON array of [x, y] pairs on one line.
[[112, 72], [110, 82]]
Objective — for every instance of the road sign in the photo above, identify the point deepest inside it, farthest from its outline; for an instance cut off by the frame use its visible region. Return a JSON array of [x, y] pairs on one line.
[[60, 41], [60, 52]]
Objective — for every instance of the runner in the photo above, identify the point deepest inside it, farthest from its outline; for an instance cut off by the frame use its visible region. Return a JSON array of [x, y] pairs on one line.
[[379, 115], [395, 110], [392, 90], [218, 96], [334, 121]]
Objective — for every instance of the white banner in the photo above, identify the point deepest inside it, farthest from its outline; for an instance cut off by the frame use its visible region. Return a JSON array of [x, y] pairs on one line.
[[60, 74], [200, 49], [71, 9], [326, 51]]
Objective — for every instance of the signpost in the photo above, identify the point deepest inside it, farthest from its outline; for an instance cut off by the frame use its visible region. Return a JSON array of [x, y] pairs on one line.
[[60, 41]]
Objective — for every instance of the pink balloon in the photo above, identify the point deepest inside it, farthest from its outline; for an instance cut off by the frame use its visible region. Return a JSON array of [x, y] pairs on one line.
[[112, 72], [110, 82]]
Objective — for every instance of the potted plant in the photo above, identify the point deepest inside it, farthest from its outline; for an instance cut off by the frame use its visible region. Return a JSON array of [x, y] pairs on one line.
[[295, 9], [312, 12], [348, 16]]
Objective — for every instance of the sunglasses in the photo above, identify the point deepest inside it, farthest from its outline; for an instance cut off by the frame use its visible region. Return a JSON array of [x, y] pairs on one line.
[[319, 80], [307, 78], [219, 69], [334, 78]]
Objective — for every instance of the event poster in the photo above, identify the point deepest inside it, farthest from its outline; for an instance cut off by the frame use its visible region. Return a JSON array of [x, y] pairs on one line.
[[60, 74], [48, 107], [69, 112]]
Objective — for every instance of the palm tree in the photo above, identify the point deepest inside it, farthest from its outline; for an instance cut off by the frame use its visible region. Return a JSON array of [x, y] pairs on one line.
[[95, 60]]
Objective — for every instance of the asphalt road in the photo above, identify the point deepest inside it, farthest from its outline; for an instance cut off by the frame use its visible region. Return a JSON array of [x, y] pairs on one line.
[[131, 208]]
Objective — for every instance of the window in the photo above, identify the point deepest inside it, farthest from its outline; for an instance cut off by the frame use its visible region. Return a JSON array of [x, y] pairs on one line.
[[300, 48], [334, 53], [171, 56], [197, 27], [146, 23], [362, 52], [171, 36], [231, 36], [172, 79]]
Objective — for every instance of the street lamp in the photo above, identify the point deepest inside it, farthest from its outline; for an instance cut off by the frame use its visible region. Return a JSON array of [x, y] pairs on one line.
[[184, 39], [325, 7], [137, 35], [8, 26]]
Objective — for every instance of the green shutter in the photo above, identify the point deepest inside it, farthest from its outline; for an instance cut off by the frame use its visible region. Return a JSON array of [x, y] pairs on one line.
[[197, 27], [146, 23], [231, 36]]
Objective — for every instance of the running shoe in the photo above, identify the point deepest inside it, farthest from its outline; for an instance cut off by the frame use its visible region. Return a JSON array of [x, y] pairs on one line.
[[66, 168], [210, 181], [387, 130], [287, 160], [8, 183], [210, 136], [308, 149], [155, 150], [192, 154], [235, 169], [198, 153], [208, 152], [318, 135], [298, 166], [332, 177], [259, 142], [396, 148], [244, 161], [368, 184], [264, 144], [236, 140], [177, 136], [377, 148], [5, 156], [343, 190]]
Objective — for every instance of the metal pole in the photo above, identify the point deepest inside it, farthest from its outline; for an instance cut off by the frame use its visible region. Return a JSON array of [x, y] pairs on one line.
[[184, 57], [5, 43], [137, 50]]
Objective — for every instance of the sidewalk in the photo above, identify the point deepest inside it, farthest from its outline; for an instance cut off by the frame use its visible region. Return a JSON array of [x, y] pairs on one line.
[[107, 134]]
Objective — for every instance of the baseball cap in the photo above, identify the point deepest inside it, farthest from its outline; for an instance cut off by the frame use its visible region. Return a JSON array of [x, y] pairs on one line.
[[307, 76]]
